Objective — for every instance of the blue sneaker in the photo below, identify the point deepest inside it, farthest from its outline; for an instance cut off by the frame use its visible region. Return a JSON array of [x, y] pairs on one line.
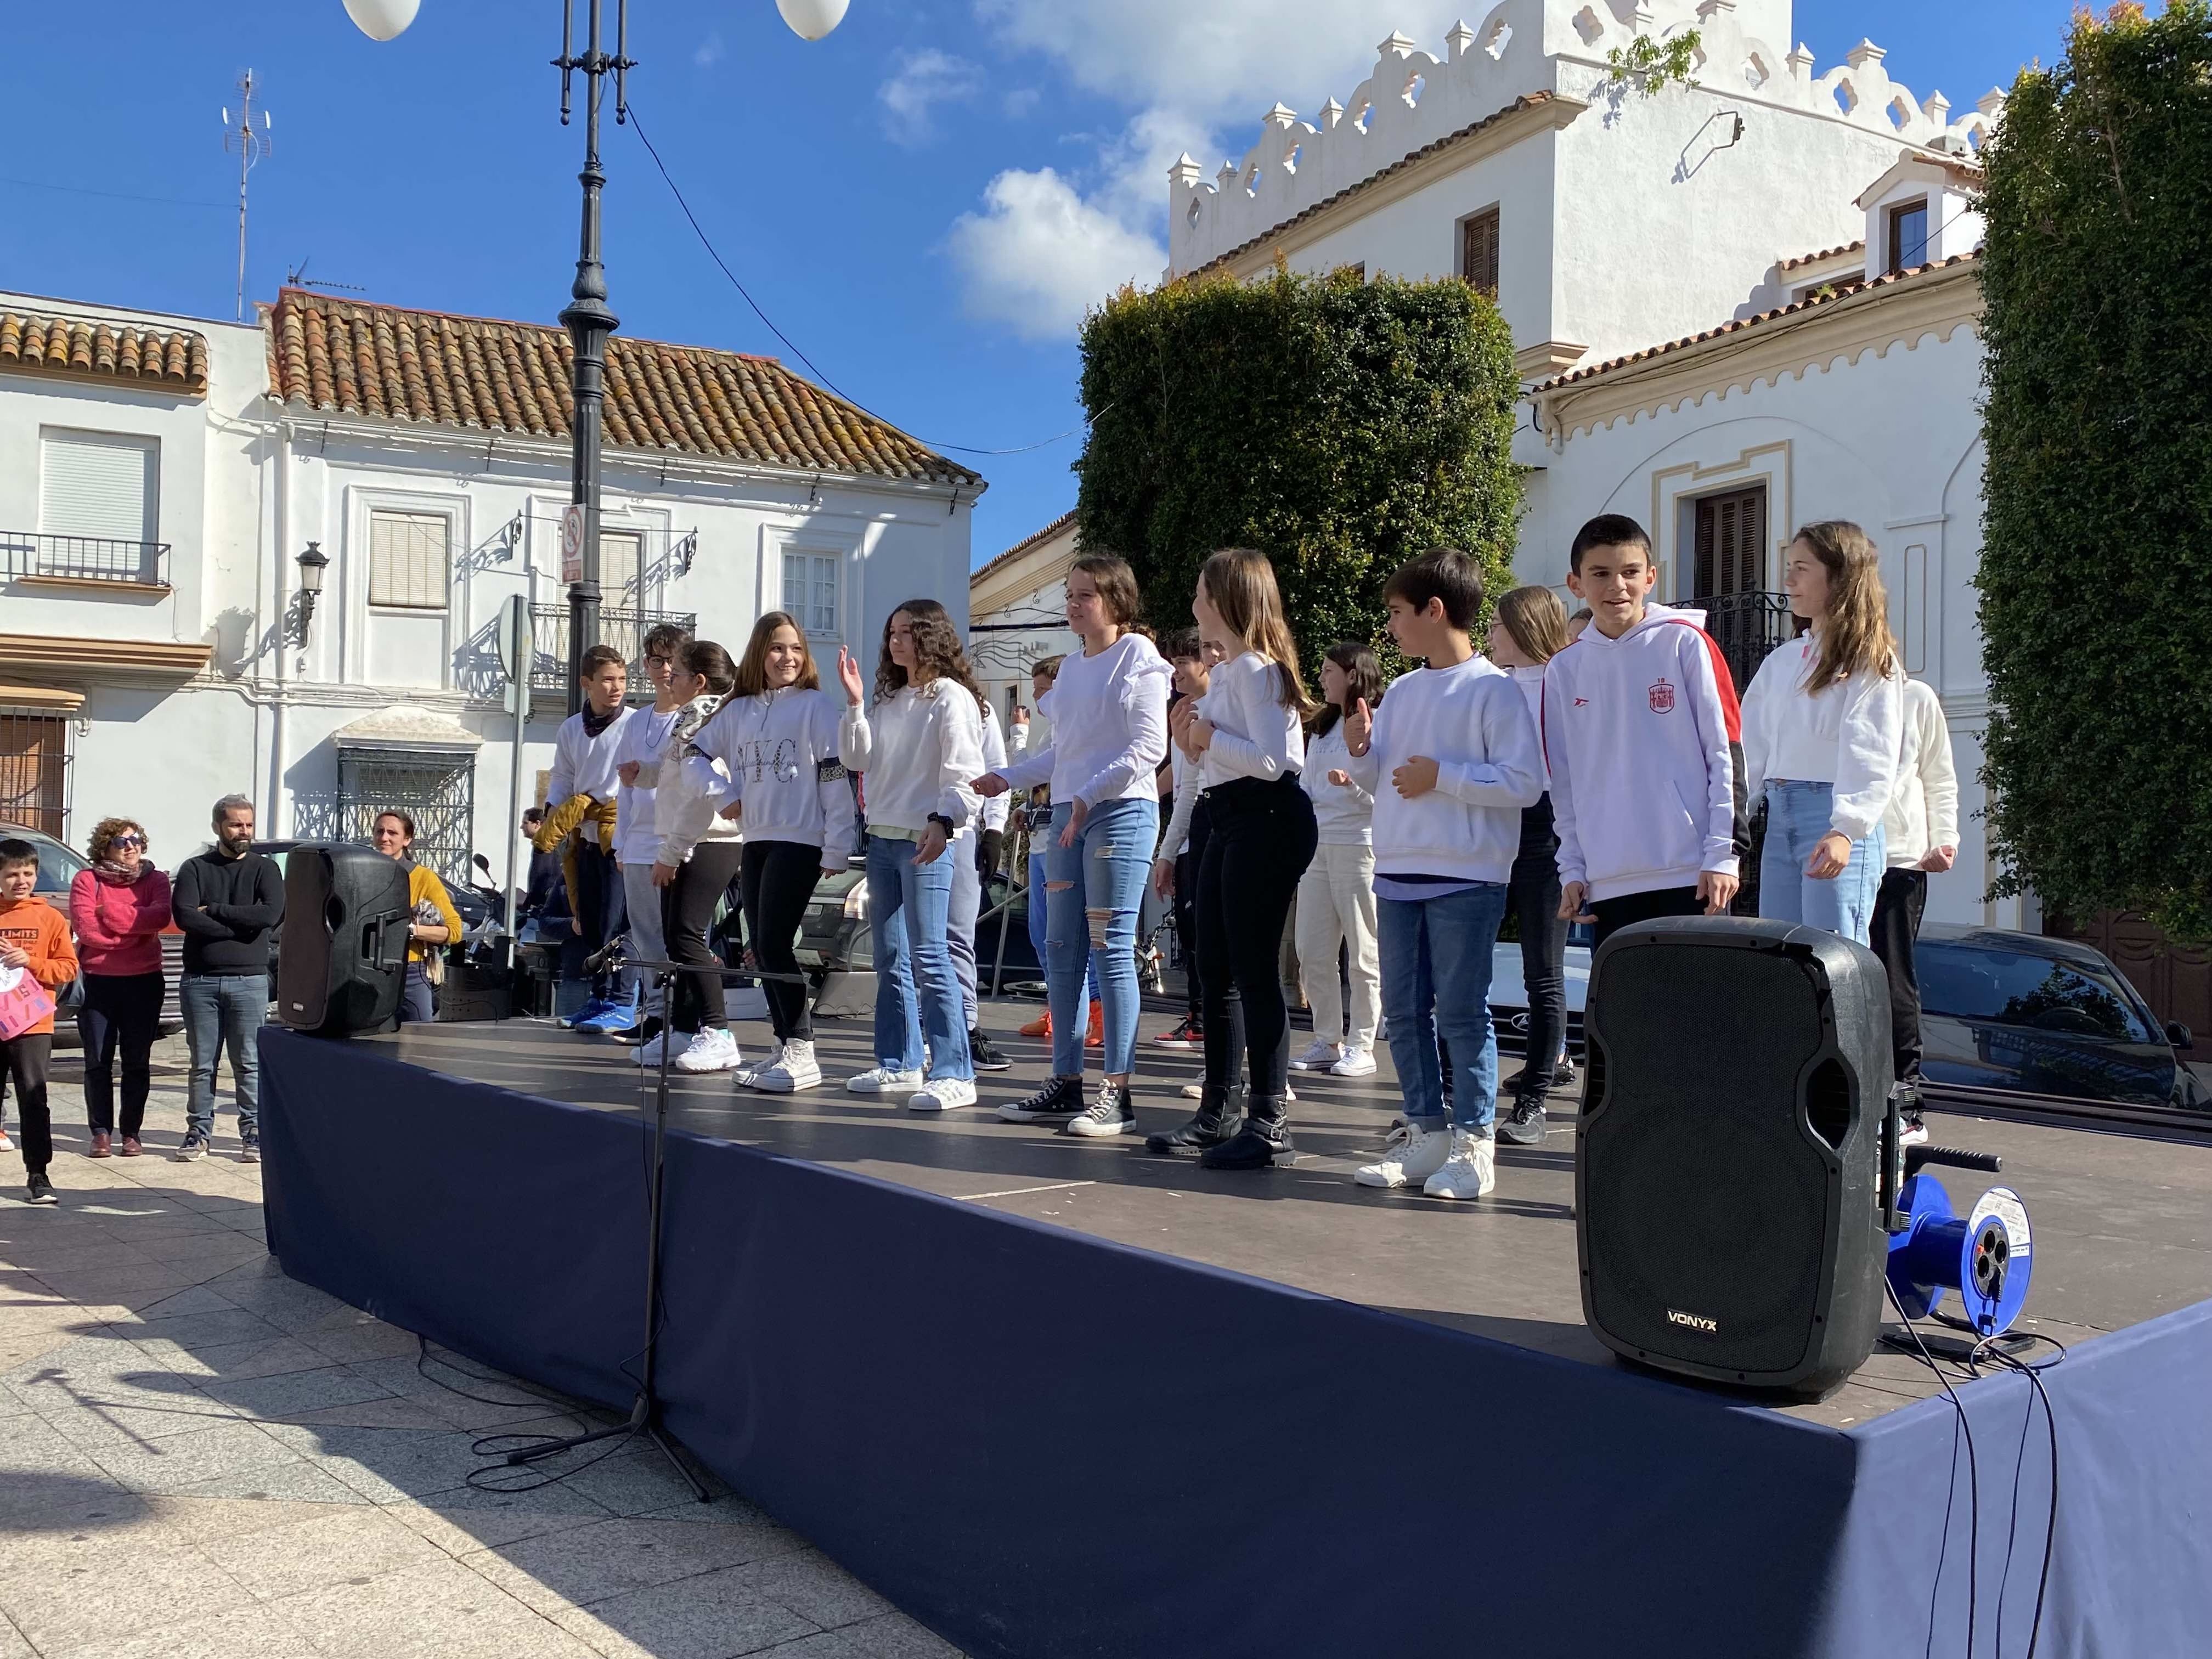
[[593, 1007], [620, 1017]]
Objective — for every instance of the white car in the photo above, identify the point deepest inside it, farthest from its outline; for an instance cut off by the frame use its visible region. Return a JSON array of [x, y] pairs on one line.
[[1509, 997]]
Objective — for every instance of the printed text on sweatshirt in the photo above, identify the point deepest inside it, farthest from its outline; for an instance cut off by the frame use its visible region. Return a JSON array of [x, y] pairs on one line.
[[779, 753]]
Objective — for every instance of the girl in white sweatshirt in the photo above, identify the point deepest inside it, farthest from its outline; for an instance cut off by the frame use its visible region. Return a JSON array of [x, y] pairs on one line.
[[1821, 726], [770, 755], [1336, 896], [919, 746]]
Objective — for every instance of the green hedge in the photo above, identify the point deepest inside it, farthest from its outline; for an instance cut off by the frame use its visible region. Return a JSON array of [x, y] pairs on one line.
[[1340, 426], [2096, 608]]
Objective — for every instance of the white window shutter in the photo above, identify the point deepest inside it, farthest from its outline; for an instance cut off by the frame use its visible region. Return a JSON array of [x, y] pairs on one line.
[[100, 484], [408, 563]]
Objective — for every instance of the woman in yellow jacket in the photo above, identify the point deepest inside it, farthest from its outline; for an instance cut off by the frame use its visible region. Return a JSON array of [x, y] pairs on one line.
[[436, 924]]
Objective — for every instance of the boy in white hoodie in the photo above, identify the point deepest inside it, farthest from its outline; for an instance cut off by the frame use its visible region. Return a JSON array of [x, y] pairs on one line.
[[1644, 741], [1450, 759]]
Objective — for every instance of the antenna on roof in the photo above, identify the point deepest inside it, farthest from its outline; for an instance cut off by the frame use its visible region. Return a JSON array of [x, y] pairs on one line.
[[298, 277], [249, 140]]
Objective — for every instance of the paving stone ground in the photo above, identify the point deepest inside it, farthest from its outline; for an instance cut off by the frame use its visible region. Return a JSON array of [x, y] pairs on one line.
[[201, 1459]]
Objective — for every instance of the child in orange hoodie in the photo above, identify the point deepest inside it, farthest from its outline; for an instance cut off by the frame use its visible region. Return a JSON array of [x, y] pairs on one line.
[[35, 939]]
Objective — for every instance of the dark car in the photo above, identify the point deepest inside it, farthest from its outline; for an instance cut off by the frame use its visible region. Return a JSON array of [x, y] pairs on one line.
[[834, 935], [2005, 1013], [58, 864]]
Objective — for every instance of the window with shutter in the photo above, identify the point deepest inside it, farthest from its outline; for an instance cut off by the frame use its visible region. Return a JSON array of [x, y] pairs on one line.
[[409, 565], [1478, 251], [810, 590], [100, 484], [1730, 554], [622, 569]]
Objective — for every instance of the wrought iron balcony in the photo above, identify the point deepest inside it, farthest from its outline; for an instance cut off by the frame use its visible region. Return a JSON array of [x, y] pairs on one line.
[[625, 630], [1747, 625], [36, 555]]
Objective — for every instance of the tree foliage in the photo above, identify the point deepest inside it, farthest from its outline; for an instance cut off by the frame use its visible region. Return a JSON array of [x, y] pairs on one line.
[[1651, 66], [2098, 275], [1340, 426]]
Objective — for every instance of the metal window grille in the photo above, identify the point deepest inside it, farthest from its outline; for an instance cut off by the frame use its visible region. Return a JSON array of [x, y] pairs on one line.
[[810, 590], [409, 567], [34, 772], [625, 630], [436, 787], [81, 558]]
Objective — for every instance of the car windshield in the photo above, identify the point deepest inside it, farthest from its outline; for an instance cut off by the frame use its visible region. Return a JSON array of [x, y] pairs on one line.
[[2012, 988]]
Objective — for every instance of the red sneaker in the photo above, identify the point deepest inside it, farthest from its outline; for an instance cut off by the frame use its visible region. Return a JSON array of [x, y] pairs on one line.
[[1039, 1027], [1096, 1037]]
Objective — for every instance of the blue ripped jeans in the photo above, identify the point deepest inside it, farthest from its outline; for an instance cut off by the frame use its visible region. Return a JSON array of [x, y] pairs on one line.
[[1093, 892], [1797, 815]]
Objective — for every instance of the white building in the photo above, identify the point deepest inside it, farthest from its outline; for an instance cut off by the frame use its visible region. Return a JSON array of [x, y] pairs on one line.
[[1739, 306], [1018, 603], [159, 475]]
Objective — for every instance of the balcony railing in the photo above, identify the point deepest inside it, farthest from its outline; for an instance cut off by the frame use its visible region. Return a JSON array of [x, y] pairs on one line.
[[36, 555], [625, 630], [1746, 626]]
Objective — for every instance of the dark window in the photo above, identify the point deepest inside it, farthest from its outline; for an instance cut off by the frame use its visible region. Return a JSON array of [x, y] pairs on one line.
[[2013, 988], [1730, 551], [34, 759], [1908, 235], [1478, 251]]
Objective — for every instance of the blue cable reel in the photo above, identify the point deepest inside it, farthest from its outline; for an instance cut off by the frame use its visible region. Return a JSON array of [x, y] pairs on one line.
[[1986, 1255]]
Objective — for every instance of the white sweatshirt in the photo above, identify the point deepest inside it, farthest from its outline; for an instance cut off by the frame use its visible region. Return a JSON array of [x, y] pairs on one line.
[[994, 759], [585, 765], [1343, 812], [920, 752], [1924, 807], [1641, 734], [1255, 736], [1190, 778], [1474, 722], [646, 737], [1109, 727], [1847, 736], [777, 753], [1531, 682]]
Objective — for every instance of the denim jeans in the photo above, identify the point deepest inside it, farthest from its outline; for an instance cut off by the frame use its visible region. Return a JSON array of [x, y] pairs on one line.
[[1092, 893], [1436, 982], [1797, 815], [417, 1006], [966, 905], [221, 1013], [1038, 920], [917, 994]]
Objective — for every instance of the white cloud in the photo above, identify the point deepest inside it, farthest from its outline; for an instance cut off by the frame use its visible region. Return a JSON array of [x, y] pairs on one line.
[[922, 80], [709, 52], [1038, 254], [1020, 102]]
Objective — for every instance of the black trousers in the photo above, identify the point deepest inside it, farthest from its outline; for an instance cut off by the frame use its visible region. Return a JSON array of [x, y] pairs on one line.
[[687, 911], [25, 1057], [120, 1010], [598, 903], [779, 878], [1896, 925], [1533, 895], [1261, 839], [1186, 914], [1614, 913]]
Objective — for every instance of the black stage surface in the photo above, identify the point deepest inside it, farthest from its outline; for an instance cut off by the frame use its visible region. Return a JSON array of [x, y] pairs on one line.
[[2121, 1228]]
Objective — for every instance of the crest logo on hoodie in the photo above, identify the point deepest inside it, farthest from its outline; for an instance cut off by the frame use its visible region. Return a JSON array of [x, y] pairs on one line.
[[1663, 696]]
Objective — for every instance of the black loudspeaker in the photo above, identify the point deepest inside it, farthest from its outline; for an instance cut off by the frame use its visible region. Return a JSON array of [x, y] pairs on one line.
[[1728, 1176], [341, 957]]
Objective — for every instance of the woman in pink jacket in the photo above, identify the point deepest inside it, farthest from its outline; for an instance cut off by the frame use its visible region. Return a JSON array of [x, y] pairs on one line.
[[118, 909]]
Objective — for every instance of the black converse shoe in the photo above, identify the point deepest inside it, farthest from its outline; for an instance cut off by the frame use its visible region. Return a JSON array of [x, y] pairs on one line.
[[1056, 1102], [37, 1189], [1110, 1114], [985, 1056], [1525, 1126]]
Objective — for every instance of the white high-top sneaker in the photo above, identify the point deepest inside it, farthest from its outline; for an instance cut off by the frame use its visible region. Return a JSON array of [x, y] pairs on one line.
[[713, 1050], [1470, 1171], [1321, 1053], [884, 1080], [1408, 1162], [744, 1072], [793, 1069]]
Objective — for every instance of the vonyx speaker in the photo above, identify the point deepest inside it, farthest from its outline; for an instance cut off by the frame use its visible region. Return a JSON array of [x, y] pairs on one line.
[[1728, 1207], [341, 957]]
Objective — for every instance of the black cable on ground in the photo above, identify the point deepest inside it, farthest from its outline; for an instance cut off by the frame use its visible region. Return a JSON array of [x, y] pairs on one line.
[[1988, 1350], [1974, 1487]]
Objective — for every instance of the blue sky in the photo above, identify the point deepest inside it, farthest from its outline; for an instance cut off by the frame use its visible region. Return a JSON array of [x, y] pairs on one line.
[[922, 202]]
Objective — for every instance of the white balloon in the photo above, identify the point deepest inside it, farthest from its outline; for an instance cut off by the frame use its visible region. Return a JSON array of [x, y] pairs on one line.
[[382, 19], [810, 20]]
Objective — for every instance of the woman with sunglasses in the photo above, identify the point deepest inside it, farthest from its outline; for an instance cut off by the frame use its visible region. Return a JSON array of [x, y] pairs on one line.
[[120, 908]]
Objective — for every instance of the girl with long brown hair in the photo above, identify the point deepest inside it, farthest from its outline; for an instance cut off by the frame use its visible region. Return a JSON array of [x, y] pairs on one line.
[[1247, 734], [1822, 723]]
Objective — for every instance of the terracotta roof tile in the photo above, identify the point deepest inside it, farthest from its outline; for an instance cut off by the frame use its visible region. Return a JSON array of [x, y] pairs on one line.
[[1803, 259], [473, 372], [42, 342], [1826, 297], [1024, 545]]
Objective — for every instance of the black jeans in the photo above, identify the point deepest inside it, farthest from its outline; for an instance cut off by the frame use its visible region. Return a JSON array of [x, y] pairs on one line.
[[1895, 926], [120, 1010], [25, 1057], [1262, 837], [1186, 914], [1614, 913], [598, 903], [1532, 896], [779, 877], [687, 911]]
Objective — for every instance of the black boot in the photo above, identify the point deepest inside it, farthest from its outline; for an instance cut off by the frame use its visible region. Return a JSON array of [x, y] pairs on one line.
[[1263, 1139], [1214, 1121]]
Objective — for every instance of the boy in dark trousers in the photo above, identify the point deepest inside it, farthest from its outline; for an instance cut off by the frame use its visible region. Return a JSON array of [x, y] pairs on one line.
[[34, 940]]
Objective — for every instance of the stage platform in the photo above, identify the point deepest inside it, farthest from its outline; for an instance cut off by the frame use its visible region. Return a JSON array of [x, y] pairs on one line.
[[1035, 1390]]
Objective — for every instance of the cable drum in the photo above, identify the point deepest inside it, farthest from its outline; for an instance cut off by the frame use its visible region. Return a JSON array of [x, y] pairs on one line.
[[1986, 1256]]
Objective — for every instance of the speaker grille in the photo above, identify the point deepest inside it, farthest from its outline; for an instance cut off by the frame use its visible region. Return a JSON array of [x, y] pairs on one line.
[[1704, 1198]]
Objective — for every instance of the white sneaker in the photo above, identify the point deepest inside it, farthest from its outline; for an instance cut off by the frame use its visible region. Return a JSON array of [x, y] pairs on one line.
[[792, 1069], [884, 1080], [1194, 1092], [1355, 1062], [1414, 1155], [649, 1053], [942, 1094], [1321, 1055], [746, 1070], [713, 1050], [1470, 1171]]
